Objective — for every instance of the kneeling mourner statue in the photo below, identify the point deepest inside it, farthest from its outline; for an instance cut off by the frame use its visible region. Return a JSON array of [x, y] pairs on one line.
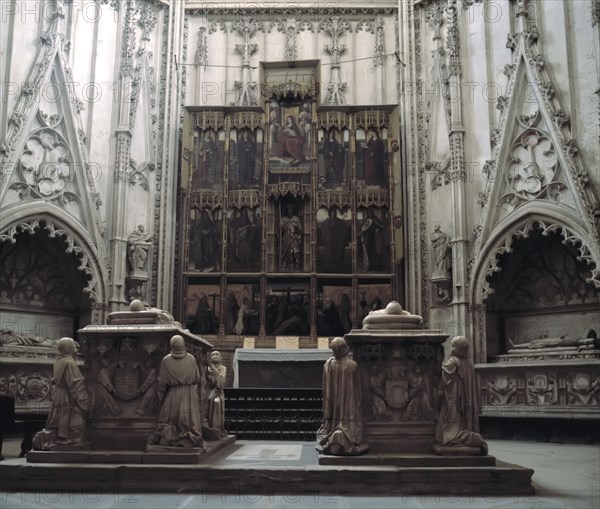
[[341, 433], [457, 430], [65, 426], [179, 420]]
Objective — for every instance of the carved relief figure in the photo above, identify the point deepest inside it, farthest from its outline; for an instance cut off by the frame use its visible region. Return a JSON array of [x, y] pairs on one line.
[[65, 426], [541, 390], [104, 367], [442, 252], [377, 381], [149, 368], [291, 240], [179, 419], [396, 388], [458, 422], [419, 396], [216, 374], [583, 389], [138, 244], [341, 432], [501, 391]]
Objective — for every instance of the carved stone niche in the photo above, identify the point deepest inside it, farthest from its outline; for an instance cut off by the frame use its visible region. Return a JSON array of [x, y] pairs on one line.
[[399, 361], [122, 360]]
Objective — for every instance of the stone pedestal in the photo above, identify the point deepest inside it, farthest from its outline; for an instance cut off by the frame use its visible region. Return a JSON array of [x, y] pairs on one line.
[[400, 372]]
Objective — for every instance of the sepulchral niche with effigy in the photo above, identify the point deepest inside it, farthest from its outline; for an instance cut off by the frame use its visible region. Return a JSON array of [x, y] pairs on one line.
[[122, 363]]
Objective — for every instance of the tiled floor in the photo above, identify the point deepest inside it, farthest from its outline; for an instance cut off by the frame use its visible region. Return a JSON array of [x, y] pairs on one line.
[[566, 477]]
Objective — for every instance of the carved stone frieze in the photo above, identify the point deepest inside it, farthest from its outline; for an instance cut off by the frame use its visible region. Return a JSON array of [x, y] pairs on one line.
[[282, 11], [567, 386], [584, 389], [501, 390]]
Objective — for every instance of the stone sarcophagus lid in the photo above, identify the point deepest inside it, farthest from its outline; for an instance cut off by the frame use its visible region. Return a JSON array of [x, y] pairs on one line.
[[122, 361], [399, 363]]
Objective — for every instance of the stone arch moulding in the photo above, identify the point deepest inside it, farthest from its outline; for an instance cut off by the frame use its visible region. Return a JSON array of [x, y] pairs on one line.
[[15, 222], [501, 241]]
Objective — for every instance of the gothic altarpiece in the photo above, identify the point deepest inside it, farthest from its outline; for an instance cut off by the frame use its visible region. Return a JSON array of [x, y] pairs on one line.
[[287, 218]]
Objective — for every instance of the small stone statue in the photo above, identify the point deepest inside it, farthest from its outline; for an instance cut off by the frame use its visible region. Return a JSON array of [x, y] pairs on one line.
[[457, 430], [341, 433], [216, 374], [179, 419], [65, 426], [138, 244], [442, 252]]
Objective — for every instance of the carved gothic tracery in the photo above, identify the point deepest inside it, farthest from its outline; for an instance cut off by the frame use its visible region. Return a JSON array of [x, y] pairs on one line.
[[335, 27]]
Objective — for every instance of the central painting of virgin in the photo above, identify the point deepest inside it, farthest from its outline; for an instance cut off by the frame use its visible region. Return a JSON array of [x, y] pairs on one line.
[[289, 141]]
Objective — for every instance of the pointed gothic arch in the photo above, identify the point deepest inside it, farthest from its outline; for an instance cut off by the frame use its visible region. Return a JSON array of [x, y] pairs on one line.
[[19, 219]]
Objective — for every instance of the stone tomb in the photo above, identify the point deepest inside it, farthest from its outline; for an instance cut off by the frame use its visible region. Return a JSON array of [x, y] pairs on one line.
[[399, 363], [122, 360]]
